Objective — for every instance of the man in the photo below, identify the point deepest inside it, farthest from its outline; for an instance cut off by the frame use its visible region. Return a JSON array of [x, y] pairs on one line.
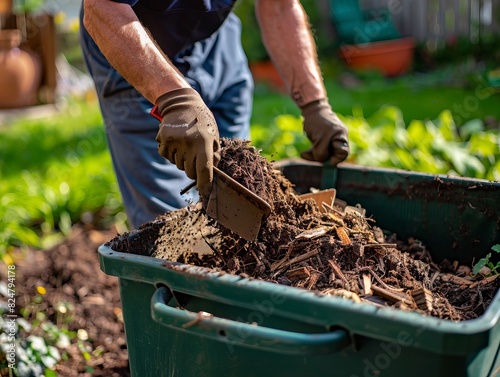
[[185, 57]]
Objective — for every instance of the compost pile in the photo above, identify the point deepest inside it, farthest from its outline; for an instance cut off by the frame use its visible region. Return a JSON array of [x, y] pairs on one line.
[[324, 249]]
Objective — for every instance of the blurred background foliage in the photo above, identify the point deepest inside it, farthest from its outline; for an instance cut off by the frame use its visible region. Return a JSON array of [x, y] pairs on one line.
[[251, 38]]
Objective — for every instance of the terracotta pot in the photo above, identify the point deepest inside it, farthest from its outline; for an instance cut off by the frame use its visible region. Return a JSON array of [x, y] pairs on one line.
[[6, 6], [391, 58], [20, 72], [266, 72]]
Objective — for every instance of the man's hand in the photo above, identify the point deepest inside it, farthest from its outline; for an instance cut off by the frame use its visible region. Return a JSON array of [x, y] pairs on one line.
[[327, 133], [188, 135]]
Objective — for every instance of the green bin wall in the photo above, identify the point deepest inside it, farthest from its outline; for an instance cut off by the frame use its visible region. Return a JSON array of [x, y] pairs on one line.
[[260, 329]]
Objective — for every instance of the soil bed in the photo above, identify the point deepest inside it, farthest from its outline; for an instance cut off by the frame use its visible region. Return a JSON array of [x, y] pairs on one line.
[[69, 273], [326, 249]]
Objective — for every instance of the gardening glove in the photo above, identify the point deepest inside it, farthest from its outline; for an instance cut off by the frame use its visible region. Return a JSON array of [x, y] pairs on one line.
[[188, 136], [326, 131]]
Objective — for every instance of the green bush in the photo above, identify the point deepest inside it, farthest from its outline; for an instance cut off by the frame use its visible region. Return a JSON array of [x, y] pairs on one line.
[[54, 172], [383, 140]]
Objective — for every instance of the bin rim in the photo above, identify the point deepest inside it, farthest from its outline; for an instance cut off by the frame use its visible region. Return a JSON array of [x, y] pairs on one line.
[[385, 324], [327, 169]]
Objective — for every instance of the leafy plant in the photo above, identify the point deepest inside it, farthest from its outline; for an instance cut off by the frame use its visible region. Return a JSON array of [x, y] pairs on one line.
[[383, 140], [53, 176], [27, 5], [284, 139], [486, 262], [34, 355]]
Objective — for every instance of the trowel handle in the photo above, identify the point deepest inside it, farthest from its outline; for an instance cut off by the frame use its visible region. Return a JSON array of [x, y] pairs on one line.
[[192, 184], [243, 334]]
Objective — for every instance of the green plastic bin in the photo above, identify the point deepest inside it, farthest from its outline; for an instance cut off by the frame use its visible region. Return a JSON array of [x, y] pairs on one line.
[[233, 326]]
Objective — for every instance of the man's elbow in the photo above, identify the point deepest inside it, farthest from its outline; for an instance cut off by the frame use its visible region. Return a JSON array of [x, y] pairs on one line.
[[89, 7]]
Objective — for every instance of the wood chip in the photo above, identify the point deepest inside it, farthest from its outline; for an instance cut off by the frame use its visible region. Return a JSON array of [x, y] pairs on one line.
[[259, 262], [278, 263], [423, 299], [434, 276], [332, 278], [335, 218], [311, 233], [484, 281], [391, 295], [382, 283], [341, 232], [342, 293], [401, 305], [367, 285], [375, 300], [337, 271], [320, 197], [298, 273], [300, 258], [455, 279], [313, 280]]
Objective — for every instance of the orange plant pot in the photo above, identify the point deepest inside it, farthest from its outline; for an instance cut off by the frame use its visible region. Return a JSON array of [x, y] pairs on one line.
[[391, 58], [20, 72], [6, 6], [266, 72]]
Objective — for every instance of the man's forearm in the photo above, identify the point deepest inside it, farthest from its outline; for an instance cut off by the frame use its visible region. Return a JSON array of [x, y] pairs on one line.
[[287, 37], [129, 48]]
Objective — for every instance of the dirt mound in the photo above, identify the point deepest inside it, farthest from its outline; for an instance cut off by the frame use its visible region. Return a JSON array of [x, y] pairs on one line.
[[323, 249], [70, 276]]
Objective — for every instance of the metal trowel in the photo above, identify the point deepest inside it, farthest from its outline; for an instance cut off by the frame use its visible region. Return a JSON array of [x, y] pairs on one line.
[[235, 207]]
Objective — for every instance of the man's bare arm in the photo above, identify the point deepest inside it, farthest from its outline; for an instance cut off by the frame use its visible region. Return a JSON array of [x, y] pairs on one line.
[[287, 37], [129, 48]]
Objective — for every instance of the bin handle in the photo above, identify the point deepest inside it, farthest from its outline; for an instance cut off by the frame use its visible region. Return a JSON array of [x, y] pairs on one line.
[[243, 334]]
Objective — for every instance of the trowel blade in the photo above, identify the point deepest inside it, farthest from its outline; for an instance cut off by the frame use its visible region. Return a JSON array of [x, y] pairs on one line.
[[235, 207]]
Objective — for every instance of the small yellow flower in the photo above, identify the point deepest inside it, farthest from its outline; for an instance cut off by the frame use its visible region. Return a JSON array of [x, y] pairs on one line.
[[74, 24], [7, 259], [59, 18], [41, 290]]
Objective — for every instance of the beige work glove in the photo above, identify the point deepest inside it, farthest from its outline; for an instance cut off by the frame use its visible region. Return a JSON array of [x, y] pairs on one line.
[[326, 131], [188, 136]]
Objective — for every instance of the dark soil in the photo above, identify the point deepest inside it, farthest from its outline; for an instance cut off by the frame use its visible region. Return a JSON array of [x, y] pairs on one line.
[[70, 274], [332, 251]]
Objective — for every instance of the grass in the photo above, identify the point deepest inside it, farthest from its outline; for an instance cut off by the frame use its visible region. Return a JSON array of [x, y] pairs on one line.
[[54, 172]]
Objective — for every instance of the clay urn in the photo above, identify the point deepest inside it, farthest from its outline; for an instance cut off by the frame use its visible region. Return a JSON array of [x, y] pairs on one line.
[[6, 6], [20, 72]]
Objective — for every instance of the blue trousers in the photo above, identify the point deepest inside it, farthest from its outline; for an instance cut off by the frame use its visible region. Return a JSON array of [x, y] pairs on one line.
[[217, 68]]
